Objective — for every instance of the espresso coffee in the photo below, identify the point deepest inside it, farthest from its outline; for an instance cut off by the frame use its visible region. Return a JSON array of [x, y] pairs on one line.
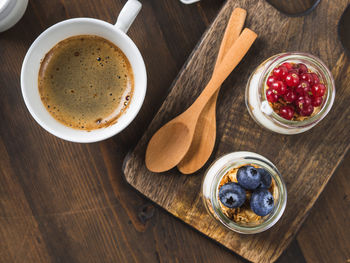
[[86, 82]]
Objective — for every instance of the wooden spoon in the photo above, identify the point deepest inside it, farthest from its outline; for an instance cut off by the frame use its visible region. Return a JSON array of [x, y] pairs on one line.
[[171, 142], [205, 133]]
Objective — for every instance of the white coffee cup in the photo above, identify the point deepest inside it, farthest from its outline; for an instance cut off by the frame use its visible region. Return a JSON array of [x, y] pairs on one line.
[[84, 26], [11, 11]]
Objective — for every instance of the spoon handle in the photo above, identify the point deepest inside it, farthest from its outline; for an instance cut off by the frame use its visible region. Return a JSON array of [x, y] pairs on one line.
[[231, 34], [204, 136], [231, 59]]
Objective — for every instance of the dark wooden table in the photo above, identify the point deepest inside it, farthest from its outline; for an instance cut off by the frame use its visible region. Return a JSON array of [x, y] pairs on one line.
[[66, 202]]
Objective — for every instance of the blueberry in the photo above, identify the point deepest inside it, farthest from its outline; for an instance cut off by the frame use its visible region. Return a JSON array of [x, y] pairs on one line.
[[261, 202], [265, 178], [232, 195], [248, 177]]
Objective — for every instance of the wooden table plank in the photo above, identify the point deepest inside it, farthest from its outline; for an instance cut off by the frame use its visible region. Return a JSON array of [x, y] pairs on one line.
[[63, 202], [325, 236]]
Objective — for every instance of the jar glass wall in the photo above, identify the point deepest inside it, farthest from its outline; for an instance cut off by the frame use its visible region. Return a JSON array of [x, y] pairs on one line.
[[210, 191]]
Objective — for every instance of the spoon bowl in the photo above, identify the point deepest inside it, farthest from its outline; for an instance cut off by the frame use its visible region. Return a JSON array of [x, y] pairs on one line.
[[164, 146]]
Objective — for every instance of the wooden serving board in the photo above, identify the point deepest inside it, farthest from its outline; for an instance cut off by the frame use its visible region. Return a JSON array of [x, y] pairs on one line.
[[306, 161]]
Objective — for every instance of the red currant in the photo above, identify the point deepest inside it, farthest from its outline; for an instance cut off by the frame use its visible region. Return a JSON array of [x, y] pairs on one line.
[[303, 88], [292, 80], [287, 65], [302, 101], [302, 68], [271, 96], [270, 81], [307, 100], [318, 90], [286, 112], [276, 85], [295, 88], [316, 101], [290, 96], [315, 78], [307, 110], [280, 72], [280, 87], [307, 77], [283, 89], [295, 71]]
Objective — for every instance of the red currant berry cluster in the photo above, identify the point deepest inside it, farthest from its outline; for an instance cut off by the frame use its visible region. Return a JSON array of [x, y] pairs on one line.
[[295, 89]]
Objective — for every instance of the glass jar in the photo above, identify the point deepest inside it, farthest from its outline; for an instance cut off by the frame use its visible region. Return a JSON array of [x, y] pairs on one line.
[[262, 112], [210, 191]]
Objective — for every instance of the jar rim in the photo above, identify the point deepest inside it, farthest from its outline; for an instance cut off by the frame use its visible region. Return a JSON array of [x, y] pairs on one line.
[[320, 67]]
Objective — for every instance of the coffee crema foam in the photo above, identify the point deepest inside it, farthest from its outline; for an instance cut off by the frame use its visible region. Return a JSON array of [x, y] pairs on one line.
[[86, 82]]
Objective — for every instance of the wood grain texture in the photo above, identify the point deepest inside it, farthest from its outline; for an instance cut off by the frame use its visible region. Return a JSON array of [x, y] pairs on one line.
[[65, 202], [305, 174], [317, 235]]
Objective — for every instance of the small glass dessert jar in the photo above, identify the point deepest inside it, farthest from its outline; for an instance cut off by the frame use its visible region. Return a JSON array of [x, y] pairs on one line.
[[242, 219], [262, 111]]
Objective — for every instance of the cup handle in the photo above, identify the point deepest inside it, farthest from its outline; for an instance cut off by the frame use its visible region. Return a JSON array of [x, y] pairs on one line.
[[128, 15]]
